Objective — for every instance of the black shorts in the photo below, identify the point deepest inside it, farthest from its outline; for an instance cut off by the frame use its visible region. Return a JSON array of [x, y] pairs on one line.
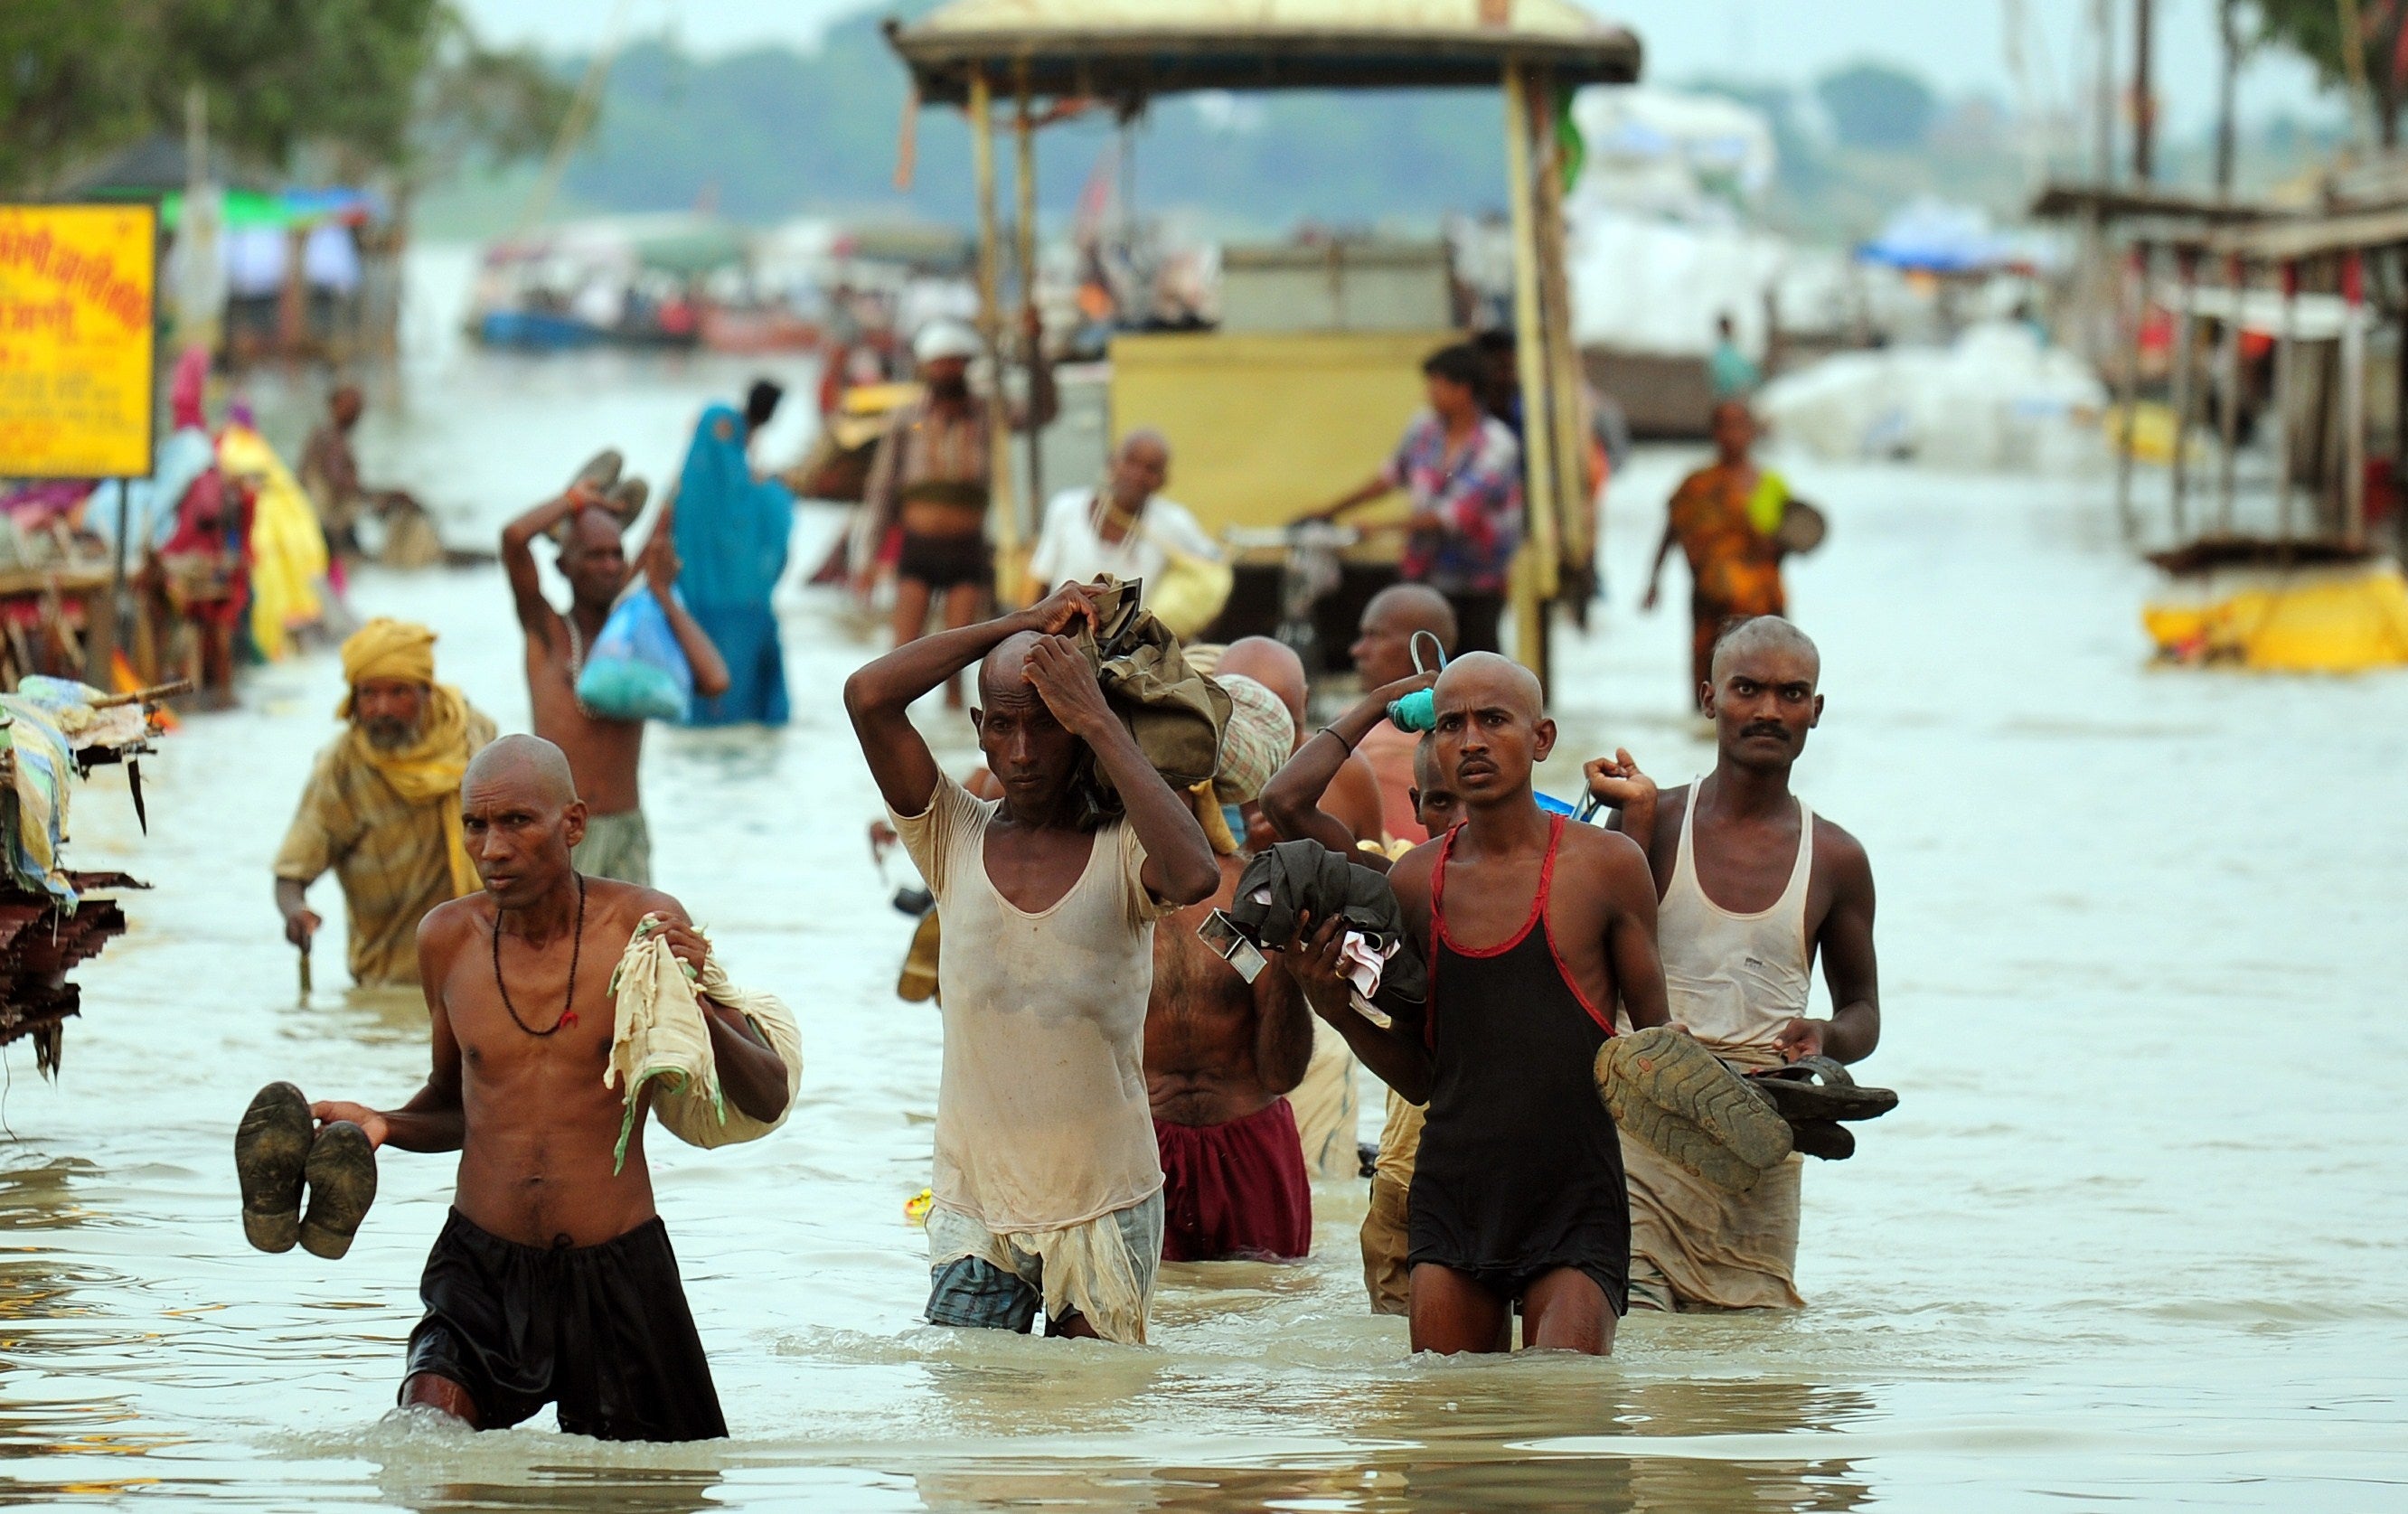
[[602, 1330], [945, 563]]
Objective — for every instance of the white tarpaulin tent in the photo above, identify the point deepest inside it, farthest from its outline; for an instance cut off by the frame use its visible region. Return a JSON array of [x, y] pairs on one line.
[[1997, 400]]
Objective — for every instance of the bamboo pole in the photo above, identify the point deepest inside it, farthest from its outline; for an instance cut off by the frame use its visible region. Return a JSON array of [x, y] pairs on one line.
[[2127, 382], [1031, 331], [2353, 402], [1538, 476], [1560, 352], [2286, 394], [1004, 510], [2229, 421], [2185, 269]]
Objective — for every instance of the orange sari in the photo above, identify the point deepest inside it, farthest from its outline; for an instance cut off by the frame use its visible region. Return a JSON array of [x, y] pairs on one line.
[[1734, 567]]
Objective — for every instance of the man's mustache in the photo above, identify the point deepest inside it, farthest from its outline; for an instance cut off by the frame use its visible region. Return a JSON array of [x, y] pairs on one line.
[[1770, 728]]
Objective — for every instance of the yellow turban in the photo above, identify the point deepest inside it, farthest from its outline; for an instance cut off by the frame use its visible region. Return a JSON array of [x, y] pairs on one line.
[[386, 649], [428, 770]]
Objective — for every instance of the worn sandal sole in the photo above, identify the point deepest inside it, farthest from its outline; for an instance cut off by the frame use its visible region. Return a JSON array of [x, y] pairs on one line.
[[271, 1148], [1825, 1138], [1678, 1099], [1819, 1088], [342, 1184]]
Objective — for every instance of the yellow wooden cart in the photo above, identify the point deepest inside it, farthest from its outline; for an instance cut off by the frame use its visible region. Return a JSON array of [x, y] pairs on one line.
[[1270, 425]]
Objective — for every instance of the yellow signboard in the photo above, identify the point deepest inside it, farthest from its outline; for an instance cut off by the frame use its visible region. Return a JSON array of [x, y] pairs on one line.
[[78, 302]]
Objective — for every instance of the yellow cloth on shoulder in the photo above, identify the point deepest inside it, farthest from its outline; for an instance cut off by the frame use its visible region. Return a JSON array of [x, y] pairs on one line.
[[659, 1033], [428, 770]]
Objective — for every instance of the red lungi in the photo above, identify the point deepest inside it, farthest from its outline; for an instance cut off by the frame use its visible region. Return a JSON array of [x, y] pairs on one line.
[[1235, 1192]]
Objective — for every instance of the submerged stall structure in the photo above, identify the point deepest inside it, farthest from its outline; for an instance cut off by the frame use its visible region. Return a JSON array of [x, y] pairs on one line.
[[2291, 300], [53, 731], [1042, 56]]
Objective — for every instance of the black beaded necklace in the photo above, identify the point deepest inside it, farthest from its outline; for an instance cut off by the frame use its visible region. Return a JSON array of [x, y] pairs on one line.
[[577, 946]]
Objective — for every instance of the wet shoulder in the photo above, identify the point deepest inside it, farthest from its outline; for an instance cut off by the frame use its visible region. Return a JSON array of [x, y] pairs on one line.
[[622, 906], [1840, 856], [1411, 878], [444, 929], [1601, 872]]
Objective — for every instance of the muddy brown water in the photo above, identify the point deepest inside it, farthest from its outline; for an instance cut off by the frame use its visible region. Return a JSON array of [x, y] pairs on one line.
[[2135, 1237]]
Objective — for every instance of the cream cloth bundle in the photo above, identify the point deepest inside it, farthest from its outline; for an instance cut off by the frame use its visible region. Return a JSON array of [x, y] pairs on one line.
[[660, 1033]]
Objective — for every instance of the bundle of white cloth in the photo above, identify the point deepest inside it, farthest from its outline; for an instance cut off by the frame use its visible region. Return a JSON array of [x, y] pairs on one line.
[[660, 1033]]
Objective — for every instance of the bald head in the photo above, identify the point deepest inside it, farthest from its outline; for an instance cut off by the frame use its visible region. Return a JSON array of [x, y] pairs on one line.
[[527, 765], [1140, 466], [1492, 731], [1762, 696], [519, 820], [1004, 672], [1766, 633], [1275, 665], [1383, 649], [1485, 680]]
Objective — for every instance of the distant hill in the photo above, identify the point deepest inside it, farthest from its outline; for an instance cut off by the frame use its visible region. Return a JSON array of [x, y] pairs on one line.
[[772, 133]]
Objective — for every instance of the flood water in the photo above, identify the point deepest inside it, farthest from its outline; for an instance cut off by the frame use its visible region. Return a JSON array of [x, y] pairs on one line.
[[2135, 1236]]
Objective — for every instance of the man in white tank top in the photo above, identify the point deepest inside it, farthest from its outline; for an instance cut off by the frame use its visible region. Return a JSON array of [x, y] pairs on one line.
[[1752, 887]]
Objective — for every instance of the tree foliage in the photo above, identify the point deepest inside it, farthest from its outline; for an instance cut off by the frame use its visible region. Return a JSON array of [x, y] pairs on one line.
[[377, 83], [1875, 105], [2313, 29]]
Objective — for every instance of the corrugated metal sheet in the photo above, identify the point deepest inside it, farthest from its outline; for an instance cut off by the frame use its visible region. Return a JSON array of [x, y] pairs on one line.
[[1140, 47], [1244, 18]]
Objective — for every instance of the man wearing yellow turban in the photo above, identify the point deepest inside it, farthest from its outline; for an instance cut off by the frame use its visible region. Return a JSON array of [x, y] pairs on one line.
[[382, 808]]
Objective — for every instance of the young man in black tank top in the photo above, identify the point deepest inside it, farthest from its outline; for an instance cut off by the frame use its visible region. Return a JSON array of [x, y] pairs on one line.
[[1532, 929]]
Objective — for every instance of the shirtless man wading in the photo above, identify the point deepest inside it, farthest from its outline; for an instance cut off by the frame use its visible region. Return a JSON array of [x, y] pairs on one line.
[[1531, 928], [603, 754], [1220, 1054], [1753, 886], [553, 1281], [1048, 1186]]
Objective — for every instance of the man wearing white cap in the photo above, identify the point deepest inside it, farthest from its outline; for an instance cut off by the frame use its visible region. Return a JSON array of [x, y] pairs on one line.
[[931, 477]]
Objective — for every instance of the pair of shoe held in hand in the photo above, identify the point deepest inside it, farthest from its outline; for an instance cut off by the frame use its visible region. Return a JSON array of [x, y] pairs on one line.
[[278, 1151]]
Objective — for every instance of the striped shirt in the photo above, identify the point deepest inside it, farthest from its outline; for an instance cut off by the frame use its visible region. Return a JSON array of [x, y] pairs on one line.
[[390, 856]]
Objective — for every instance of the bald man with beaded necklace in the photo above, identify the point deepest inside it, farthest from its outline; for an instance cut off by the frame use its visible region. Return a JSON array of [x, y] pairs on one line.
[[552, 1280]]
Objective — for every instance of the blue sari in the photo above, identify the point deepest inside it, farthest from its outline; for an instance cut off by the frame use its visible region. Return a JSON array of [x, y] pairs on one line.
[[732, 531]]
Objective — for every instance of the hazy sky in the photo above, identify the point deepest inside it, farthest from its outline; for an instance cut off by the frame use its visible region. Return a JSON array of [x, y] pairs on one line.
[[1961, 45]]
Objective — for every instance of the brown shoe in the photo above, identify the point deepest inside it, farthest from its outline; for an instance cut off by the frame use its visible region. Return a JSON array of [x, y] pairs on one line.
[[271, 1146], [342, 1184], [1670, 1094]]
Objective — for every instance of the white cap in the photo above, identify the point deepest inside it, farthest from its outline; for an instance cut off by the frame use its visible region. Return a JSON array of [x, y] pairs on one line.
[[945, 338]]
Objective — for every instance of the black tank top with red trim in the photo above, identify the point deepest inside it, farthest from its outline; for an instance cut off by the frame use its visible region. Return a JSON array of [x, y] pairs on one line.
[[1520, 1171]]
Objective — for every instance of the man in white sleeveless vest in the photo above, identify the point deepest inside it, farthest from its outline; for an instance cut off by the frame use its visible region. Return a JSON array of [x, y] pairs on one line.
[[1754, 887]]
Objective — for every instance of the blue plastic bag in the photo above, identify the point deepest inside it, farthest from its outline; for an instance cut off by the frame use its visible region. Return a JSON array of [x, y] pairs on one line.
[[635, 670]]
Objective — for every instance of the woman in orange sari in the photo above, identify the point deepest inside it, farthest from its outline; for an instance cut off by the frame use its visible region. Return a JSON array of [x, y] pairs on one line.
[[1734, 561]]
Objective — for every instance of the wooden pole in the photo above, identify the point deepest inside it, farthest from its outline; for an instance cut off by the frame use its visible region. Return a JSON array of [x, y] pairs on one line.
[[2353, 399], [1560, 351], [2227, 26], [2144, 125], [1538, 476], [2228, 418], [2129, 272], [1004, 510], [2286, 395], [2185, 271], [1030, 330]]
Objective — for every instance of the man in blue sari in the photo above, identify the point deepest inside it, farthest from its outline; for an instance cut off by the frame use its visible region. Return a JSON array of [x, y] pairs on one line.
[[731, 533]]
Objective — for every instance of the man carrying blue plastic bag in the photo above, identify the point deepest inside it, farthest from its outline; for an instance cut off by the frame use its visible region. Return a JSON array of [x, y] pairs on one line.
[[626, 652]]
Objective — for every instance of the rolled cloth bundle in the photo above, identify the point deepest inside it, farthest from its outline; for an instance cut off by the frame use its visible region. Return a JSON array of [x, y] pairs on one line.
[[1299, 877], [659, 1033], [1175, 714]]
